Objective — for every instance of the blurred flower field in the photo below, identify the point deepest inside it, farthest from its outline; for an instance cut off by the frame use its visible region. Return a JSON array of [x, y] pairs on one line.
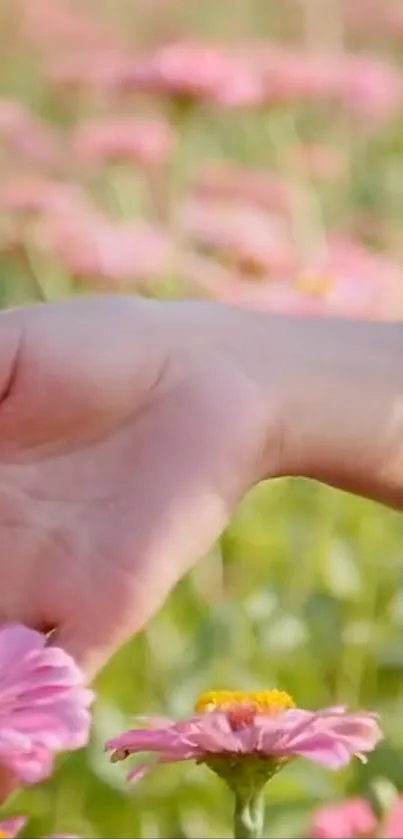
[[248, 151]]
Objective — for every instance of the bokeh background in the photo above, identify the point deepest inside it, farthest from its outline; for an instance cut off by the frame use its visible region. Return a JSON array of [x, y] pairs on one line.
[[248, 151]]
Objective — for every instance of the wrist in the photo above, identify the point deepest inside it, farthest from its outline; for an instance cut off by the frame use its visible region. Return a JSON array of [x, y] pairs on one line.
[[338, 386]]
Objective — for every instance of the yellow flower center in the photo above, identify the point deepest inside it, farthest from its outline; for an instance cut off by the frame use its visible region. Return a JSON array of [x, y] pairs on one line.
[[315, 285], [3, 835], [270, 702]]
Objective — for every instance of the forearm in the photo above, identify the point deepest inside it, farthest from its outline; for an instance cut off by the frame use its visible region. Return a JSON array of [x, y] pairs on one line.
[[333, 391], [341, 392]]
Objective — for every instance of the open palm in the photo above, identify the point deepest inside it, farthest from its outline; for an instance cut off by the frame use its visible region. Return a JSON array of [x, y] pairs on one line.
[[128, 433]]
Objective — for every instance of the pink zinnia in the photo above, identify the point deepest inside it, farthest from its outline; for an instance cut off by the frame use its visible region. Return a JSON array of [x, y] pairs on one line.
[[223, 181], [354, 819], [44, 706], [244, 236], [27, 137], [372, 88], [147, 142], [234, 731], [106, 253], [188, 71]]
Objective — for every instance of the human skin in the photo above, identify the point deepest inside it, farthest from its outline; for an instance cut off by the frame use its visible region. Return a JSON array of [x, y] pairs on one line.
[[131, 429]]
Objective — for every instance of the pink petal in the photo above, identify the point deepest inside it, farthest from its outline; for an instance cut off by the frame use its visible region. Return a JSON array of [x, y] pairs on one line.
[[17, 642], [393, 828], [44, 707], [349, 820], [324, 751], [144, 740], [11, 827], [212, 733], [327, 737]]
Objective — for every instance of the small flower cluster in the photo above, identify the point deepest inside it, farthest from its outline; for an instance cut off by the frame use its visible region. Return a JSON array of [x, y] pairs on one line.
[[93, 197]]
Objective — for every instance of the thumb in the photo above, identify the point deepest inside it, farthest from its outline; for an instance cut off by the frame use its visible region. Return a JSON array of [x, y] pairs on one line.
[[91, 646]]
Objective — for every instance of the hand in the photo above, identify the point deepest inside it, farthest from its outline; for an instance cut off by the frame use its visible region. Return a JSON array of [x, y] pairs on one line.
[[129, 430]]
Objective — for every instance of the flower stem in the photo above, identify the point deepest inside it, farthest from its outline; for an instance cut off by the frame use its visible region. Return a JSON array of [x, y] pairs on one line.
[[248, 817]]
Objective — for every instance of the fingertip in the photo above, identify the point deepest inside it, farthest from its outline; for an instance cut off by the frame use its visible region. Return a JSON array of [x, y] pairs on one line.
[[88, 657]]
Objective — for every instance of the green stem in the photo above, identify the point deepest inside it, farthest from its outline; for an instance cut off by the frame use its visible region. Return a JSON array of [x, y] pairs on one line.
[[248, 818]]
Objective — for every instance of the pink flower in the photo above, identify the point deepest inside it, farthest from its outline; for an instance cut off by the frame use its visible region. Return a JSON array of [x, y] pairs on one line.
[[367, 85], [26, 137], [230, 728], [224, 181], [245, 237], [105, 253], [354, 819], [11, 827], [351, 820], [189, 71], [147, 142], [32, 194], [356, 281], [270, 295], [44, 707], [295, 74], [372, 88]]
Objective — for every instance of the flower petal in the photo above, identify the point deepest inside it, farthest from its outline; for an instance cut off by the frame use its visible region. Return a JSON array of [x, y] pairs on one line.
[[348, 819], [12, 826], [393, 827], [44, 706]]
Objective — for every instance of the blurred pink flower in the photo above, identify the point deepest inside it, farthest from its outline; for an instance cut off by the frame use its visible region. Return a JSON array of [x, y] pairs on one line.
[[343, 280], [44, 707], [205, 277], [354, 819], [147, 142], [227, 181], [246, 238], [31, 194], [26, 137], [190, 71], [358, 281], [25, 199], [107, 254], [291, 74], [366, 84], [270, 295], [11, 827], [230, 728], [372, 88]]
